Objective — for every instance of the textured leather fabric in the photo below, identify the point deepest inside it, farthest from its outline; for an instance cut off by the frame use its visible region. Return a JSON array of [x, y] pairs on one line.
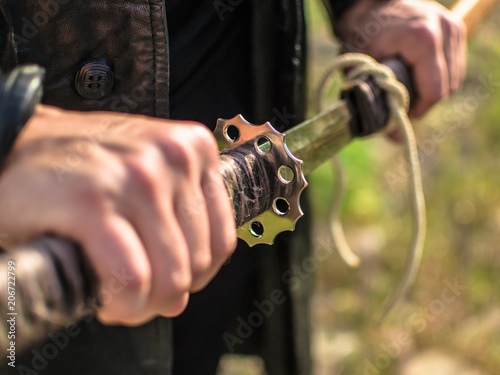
[[62, 35], [7, 55]]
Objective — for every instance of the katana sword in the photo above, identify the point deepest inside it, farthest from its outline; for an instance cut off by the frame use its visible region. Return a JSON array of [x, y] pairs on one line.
[[264, 174]]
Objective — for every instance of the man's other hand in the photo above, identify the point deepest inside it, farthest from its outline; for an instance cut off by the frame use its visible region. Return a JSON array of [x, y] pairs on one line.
[[428, 37]]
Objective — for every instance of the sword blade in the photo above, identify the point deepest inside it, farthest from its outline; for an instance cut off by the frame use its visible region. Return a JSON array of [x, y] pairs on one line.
[[317, 139]]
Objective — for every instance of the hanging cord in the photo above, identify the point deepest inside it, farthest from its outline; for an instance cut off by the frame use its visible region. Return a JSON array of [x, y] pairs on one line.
[[398, 101]]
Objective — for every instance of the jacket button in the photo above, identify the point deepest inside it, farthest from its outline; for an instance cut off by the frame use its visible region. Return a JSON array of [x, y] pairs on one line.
[[94, 80]]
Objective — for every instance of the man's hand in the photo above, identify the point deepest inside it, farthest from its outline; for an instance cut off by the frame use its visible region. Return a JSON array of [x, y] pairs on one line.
[[142, 196], [424, 34]]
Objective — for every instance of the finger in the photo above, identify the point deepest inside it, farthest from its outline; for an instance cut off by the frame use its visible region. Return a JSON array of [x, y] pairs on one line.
[[176, 308], [152, 213], [118, 257], [192, 214], [451, 52], [221, 218], [429, 68], [167, 252]]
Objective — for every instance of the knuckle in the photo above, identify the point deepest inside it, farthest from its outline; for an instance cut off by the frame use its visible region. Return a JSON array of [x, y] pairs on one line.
[[177, 307], [189, 147], [203, 134], [213, 188], [205, 142], [138, 280], [456, 24], [179, 153], [425, 35], [91, 194], [224, 245], [447, 25], [143, 172], [201, 263], [179, 282], [124, 295]]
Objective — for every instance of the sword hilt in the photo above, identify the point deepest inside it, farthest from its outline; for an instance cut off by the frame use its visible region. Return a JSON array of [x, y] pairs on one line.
[[263, 178]]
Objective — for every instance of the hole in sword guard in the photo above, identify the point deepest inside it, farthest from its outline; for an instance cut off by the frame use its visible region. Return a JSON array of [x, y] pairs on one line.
[[263, 145], [281, 206], [232, 133], [286, 174], [257, 229]]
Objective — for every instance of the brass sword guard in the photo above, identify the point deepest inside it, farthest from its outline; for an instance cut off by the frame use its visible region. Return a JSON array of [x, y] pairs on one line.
[[269, 144]]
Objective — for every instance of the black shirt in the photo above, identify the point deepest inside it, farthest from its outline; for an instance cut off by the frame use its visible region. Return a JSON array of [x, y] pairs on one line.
[[209, 60]]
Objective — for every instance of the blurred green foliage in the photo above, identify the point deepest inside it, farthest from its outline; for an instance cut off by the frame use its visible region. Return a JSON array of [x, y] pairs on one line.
[[459, 141]]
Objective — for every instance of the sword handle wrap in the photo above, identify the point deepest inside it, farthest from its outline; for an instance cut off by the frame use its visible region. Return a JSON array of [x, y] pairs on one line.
[[368, 102], [52, 286]]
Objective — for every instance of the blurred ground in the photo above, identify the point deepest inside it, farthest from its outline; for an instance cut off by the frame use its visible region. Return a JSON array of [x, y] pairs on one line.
[[450, 322]]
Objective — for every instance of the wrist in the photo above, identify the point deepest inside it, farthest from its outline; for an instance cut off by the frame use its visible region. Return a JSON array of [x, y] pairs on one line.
[[20, 92], [355, 16]]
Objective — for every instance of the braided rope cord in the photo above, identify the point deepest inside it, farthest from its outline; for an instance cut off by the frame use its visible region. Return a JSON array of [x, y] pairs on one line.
[[398, 102]]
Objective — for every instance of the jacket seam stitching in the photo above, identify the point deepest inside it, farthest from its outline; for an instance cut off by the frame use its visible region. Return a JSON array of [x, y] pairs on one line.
[[153, 40]]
